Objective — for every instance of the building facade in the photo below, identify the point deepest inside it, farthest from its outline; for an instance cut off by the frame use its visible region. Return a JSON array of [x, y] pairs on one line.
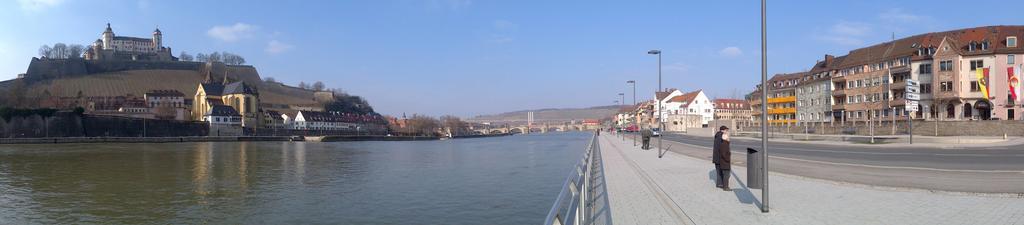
[[814, 93], [167, 104], [238, 95], [732, 109], [691, 103], [965, 74], [782, 98], [112, 47]]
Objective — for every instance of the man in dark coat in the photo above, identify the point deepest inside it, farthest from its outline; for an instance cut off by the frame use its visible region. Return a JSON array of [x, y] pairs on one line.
[[721, 156]]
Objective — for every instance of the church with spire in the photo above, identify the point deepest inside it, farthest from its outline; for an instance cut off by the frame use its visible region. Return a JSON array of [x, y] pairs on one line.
[[124, 48], [242, 97]]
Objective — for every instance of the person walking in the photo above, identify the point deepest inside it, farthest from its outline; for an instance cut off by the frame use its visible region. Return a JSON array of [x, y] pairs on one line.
[[646, 134], [721, 156]]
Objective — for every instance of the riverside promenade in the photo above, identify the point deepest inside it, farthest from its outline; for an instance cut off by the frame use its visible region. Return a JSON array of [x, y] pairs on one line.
[[636, 187]]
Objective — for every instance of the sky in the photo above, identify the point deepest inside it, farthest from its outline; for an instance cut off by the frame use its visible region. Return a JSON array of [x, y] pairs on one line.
[[474, 57]]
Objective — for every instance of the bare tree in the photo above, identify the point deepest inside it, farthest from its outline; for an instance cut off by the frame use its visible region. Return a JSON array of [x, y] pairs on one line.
[[45, 51], [269, 80], [232, 59], [60, 50], [184, 56], [215, 57], [202, 58], [75, 51], [318, 86], [422, 125], [303, 85], [455, 125]]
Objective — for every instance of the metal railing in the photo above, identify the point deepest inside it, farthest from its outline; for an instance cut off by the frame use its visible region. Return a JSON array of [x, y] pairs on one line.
[[573, 203]]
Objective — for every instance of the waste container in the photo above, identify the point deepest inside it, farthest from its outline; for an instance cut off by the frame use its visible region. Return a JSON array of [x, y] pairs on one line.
[[755, 165]]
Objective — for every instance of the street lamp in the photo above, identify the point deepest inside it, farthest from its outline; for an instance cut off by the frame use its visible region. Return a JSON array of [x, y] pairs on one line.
[[634, 84], [661, 123], [764, 108]]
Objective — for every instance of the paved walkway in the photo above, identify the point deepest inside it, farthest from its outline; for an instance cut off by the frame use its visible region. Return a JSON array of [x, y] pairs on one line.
[[640, 188]]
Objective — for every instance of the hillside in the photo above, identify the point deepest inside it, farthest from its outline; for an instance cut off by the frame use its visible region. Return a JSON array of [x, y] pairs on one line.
[[138, 82], [548, 115]]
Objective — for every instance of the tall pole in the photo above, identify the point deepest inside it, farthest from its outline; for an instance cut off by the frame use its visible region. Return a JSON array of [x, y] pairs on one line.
[[764, 107], [634, 122], [661, 121]]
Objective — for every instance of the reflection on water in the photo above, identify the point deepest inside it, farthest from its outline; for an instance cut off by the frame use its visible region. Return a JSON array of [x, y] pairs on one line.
[[504, 180]]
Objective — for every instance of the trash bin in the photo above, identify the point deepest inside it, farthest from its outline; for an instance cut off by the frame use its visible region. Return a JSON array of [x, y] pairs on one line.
[[754, 167]]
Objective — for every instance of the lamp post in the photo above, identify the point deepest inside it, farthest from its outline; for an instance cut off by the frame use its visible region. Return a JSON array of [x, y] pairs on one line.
[[632, 83], [764, 108], [622, 96], [661, 121]]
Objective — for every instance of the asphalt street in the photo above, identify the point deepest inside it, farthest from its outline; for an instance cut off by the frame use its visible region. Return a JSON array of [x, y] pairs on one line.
[[982, 169]]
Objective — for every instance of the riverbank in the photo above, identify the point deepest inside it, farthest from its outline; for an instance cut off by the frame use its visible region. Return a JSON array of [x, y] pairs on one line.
[[71, 140]]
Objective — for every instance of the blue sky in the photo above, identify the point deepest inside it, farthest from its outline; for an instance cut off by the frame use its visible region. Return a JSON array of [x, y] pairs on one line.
[[470, 57]]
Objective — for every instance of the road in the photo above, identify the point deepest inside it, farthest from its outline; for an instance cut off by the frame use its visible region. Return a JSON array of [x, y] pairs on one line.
[[984, 170]]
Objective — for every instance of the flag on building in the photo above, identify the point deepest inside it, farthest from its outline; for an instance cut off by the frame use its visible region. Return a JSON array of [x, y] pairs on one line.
[[1014, 83], [982, 75]]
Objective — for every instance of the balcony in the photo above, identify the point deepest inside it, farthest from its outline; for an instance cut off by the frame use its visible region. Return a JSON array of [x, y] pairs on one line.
[[786, 99], [838, 92], [782, 111]]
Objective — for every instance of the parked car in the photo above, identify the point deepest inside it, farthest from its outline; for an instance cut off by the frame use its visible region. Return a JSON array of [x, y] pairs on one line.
[[656, 132]]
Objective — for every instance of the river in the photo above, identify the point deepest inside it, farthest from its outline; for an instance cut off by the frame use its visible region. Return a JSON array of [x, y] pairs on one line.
[[498, 180]]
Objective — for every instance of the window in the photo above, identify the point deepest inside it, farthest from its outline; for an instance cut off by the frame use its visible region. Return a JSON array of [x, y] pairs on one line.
[[974, 86], [1011, 42], [926, 88], [924, 68], [946, 86], [860, 83], [1010, 59], [975, 64], [946, 65], [852, 84]]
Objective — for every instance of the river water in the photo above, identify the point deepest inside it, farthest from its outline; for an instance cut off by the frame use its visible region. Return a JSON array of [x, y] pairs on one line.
[[499, 180]]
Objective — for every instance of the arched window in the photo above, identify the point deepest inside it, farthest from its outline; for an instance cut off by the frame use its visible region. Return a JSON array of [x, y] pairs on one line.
[[950, 111], [967, 111]]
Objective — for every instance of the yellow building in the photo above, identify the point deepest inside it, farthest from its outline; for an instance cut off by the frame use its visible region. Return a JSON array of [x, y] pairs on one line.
[[240, 96]]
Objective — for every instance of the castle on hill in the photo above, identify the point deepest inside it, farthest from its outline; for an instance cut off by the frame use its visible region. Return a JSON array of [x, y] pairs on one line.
[[123, 48]]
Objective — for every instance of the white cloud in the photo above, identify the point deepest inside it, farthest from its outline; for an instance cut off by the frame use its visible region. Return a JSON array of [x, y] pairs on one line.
[[502, 31], [276, 47], [677, 67], [505, 25], [846, 33], [731, 51], [899, 16], [232, 33], [144, 4], [37, 5], [498, 39], [851, 28], [451, 4]]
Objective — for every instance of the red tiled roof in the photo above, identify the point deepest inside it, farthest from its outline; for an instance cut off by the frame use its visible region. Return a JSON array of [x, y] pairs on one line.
[[687, 98], [662, 94]]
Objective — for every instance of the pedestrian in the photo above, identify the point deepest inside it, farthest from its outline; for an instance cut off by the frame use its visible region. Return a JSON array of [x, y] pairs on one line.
[[721, 156], [646, 134]]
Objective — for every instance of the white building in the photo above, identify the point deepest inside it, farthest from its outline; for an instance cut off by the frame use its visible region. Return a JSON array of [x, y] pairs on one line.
[[663, 97], [692, 103], [224, 121], [310, 120]]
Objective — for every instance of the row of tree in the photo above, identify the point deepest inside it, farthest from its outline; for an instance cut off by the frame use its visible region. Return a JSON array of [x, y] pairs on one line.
[[420, 125], [61, 51], [316, 86], [224, 57]]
